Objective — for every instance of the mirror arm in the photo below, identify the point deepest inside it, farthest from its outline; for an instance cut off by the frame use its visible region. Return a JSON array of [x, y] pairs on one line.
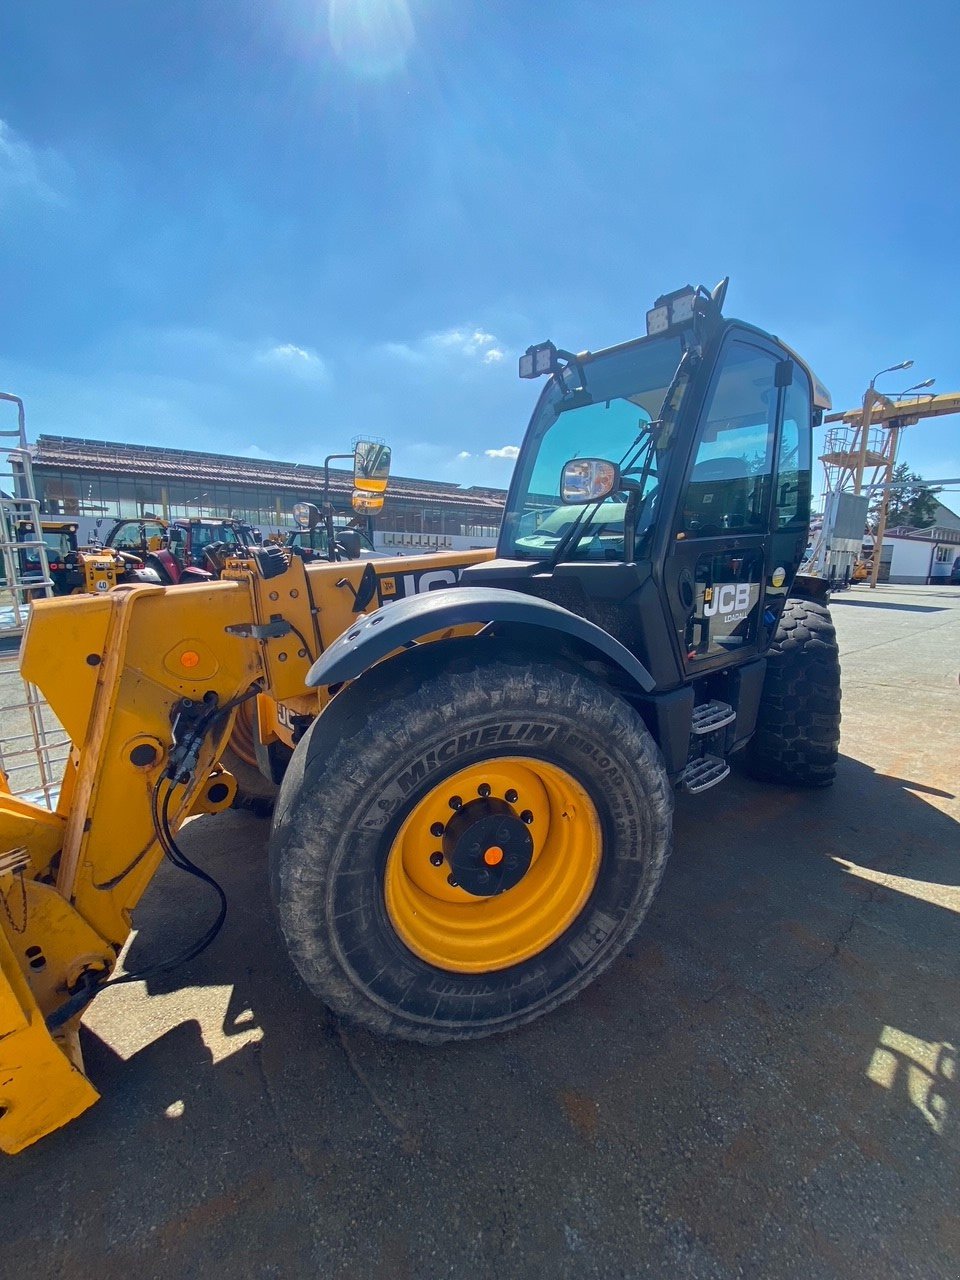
[[630, 523], [327, 508]]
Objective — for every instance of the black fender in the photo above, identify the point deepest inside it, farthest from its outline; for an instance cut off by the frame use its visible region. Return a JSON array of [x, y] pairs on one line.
[[392, 626], [141, 576]]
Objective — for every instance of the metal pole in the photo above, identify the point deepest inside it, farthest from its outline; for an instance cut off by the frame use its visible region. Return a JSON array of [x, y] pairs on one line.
[[884, 503]]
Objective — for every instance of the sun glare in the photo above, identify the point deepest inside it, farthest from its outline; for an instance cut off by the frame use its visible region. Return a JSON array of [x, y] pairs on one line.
[[371, 37]]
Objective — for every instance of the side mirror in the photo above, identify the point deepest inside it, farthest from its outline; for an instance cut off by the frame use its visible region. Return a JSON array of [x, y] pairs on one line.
[[366, 503], [306, 515], [371, 466], [350, 543], [588, 480]]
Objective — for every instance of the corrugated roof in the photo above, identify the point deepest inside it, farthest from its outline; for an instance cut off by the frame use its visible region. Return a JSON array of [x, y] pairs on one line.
[[115, 458], [939, 533]]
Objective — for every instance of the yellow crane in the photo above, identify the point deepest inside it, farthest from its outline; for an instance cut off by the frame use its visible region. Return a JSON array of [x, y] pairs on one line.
[[869, 439]]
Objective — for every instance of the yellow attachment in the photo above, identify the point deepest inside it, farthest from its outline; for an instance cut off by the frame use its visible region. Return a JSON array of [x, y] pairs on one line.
[[40, 1088], [457, 931]]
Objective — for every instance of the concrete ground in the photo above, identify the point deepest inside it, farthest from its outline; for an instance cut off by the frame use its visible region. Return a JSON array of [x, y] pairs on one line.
[[766, 1084]]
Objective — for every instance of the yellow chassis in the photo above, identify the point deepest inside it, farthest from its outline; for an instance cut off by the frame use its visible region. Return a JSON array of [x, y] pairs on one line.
[[114, 669]]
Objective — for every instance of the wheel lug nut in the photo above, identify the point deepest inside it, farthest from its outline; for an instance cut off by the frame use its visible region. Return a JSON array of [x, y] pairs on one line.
[[437, 829], [483, 789], [526, 817], [452, 881], [511, 796], [456, 802], [436, 859]]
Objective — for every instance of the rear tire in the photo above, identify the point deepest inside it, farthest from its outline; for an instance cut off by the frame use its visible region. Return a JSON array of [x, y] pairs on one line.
[[364, 771], [797, 736]]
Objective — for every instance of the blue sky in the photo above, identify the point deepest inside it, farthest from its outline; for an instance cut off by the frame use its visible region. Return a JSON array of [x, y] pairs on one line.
[[266, 228]]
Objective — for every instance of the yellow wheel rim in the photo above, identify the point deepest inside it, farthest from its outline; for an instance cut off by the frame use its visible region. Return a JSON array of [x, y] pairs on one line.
[[546, 814]]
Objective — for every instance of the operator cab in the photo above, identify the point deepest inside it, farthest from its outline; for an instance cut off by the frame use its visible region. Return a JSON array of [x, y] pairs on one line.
[[314, 544], [663, 487]]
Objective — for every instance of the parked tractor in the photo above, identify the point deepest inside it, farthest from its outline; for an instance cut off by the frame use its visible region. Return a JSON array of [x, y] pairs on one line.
[[181, 552], [477, 756], [74, 568]]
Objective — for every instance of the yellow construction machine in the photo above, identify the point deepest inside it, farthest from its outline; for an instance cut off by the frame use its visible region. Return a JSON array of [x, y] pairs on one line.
[[476, 756], [74, 568]]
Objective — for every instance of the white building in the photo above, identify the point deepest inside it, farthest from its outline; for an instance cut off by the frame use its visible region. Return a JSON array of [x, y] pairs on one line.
[[923, 556]]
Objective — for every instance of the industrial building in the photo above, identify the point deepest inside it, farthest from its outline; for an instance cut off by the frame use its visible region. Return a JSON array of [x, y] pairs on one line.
[[105, 480]]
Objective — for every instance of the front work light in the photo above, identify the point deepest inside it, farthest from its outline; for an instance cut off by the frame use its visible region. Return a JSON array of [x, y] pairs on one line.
[[538, 360], [671, 310]]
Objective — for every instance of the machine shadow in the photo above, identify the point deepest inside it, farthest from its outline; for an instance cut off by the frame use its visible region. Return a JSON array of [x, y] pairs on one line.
[[786, 1017], [887, 604]]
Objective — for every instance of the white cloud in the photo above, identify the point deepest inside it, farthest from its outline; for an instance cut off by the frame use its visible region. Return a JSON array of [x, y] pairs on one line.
[[402, 351], [300, 361], [465, 453], [464, 341], [508, 451], [27, 170]]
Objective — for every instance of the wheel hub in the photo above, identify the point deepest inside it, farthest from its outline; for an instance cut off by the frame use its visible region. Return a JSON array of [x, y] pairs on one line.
[[487, 847]]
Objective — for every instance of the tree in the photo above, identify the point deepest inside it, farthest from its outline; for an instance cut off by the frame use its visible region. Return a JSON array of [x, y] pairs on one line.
[[912, 502]]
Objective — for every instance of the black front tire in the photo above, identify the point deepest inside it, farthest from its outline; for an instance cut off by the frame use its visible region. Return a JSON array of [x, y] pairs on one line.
[[348, 790], [797, 737]]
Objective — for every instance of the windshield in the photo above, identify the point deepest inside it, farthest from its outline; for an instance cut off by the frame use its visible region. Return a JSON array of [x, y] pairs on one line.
[[59, 546], [609, 416]]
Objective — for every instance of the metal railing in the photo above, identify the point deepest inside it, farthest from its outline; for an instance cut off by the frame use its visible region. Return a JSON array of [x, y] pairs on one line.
[[33, 744], [846, 441], [21, 535]]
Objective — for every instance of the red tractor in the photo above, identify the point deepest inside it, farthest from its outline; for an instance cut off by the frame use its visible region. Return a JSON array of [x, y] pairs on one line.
[[182, 551]]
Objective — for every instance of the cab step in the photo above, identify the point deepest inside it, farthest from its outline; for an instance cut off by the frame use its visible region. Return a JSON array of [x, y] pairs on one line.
[[703, 773], [709, 716]]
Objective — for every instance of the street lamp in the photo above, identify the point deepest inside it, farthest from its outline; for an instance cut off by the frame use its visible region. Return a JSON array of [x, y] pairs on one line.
[[920, 386], [904, 364], [869, 399]]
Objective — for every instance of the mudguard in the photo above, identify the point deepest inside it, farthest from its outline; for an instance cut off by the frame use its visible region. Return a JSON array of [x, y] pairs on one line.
[[391, 627]]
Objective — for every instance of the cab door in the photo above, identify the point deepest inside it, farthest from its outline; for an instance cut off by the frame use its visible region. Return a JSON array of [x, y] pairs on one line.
[[718, 566]]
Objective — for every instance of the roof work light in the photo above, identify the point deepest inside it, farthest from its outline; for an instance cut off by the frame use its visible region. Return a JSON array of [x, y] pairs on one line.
[[538, 360], [671, 310]]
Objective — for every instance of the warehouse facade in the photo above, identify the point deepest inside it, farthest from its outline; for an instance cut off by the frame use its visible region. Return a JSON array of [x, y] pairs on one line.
[[104, 480]]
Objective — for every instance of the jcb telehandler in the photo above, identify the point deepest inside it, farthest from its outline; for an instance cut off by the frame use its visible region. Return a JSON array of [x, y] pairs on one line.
[[473, 826], [74, 568]]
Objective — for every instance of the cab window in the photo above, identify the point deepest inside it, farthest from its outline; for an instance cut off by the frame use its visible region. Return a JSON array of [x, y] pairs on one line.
[[792, 498], [730, 480], [130, 536]]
